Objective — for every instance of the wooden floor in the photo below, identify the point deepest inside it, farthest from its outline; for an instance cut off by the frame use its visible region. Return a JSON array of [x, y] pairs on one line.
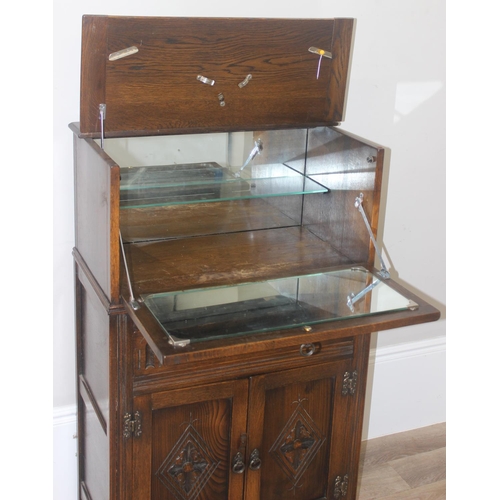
[[406, 466]]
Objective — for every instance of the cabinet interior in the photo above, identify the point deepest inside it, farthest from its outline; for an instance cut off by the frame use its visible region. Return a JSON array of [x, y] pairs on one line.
[[278, 209]]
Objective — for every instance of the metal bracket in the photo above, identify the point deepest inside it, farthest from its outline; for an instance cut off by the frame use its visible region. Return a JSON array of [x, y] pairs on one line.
[[340, 487], [352, 299], [176, 342], [120, 54], [132, 426], [358, 203], [412, 306], [102, 117], [258, 147], [349, 383], [320, 52], [245, 81], [204, 79]]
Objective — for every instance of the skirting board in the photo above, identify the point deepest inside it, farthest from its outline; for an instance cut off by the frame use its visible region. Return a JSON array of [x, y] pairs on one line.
[[406, 387], [406, 390]]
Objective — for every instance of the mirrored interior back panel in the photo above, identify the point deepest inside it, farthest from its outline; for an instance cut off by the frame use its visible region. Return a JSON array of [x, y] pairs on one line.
[[201, 184]]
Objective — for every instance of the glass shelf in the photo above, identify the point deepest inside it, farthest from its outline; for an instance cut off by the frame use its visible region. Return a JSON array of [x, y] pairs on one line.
[[151, 186], [252, 308]]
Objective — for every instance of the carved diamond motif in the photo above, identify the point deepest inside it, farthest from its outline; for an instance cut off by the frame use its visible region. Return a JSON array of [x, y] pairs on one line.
[[188, 466], [297, 444]]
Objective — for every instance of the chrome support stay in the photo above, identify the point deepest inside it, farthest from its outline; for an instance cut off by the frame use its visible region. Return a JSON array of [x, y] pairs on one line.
[[358, 203], [135, 305], [352, 299]]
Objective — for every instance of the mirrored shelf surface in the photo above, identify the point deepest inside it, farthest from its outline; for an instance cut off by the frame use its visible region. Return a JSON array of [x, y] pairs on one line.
[[252, 308], [177, 184]]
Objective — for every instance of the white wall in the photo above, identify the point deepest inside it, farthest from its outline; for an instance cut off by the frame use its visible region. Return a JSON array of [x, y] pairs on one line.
[[396, 98]]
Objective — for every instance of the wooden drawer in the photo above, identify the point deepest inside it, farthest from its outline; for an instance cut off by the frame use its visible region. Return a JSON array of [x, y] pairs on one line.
[[150, 376]]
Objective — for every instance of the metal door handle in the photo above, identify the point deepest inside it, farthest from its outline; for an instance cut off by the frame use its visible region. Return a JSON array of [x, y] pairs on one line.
[[307, 349], [255, 461], [238, 464]]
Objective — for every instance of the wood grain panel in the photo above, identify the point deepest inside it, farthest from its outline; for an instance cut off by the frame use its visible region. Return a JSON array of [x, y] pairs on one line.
[[97, 205], [227, 259], [343, 33], [298, 424], [198, 433], [188, 441], [93, 71], [156, 90], [95, 472], [94, 325], [176, 221], [152, 375]]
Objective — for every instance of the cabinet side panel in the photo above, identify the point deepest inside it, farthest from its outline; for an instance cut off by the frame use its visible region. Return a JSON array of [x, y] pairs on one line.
[[95, 460], [97, 195], [93, 389], [94, 368], [347, 167]]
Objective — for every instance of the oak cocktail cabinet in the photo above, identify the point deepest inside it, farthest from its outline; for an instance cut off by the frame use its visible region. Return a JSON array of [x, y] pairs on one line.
[[225, 249]]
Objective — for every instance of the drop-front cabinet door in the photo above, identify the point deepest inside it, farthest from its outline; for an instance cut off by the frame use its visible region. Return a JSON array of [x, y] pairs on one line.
[[189, 441], [298, 426]]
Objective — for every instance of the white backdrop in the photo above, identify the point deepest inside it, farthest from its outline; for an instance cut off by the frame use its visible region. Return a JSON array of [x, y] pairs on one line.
[[396, 98]]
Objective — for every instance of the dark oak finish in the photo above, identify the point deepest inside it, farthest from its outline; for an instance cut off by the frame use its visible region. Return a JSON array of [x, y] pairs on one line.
[[201, 219], [247, 256], [190, 437], [97, 198], [343, 33], [156, 90], [183, 423], [292, 425]]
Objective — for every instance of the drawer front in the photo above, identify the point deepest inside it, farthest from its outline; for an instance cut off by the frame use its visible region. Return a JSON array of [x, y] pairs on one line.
[[149, 375]]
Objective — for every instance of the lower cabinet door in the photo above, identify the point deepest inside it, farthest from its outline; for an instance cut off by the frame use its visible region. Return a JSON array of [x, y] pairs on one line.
[[189, 443], [299, 436], [284, 435]]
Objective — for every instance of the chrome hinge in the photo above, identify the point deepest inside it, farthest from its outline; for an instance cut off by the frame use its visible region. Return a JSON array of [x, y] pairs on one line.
[[341, 485], [102, 117], [132, 426], [349, 383]]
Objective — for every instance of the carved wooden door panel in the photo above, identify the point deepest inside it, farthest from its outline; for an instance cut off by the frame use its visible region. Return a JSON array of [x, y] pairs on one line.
[[188, 441], [301, 448]]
